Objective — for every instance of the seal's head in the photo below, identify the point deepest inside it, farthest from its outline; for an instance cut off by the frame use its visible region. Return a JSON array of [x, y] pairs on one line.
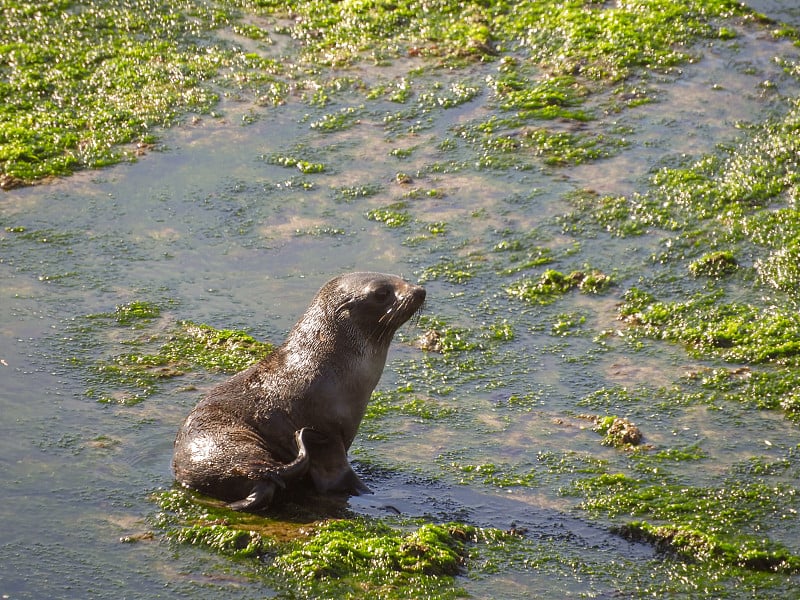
[[374, 303]]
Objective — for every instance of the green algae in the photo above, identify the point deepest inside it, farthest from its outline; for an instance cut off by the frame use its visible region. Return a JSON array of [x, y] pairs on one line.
[[568, 324], [781, 268], [768, 389], [213, 349], [342, 558], [571, 463], [447, 339], [696, 545], [132, 312], [345, 548], [292, 161], [338, 35], [495, 475], [714, 264], [520, 255], [617, 432], [735, 332], [187, 521], [502, 145], [689, 453], [604, 42], [452, 269], [126, 69], [354, 192], [680, 199], [118, 71], [403, 403], [222, 539], [547, 99], [702, 524], [402, 153], [159, 355], [337, 121], [394, 216], [727, 188], [552, 284], [609, 41]]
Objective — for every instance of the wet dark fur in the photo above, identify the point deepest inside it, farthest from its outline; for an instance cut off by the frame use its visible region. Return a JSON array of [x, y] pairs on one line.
[[294, 415]]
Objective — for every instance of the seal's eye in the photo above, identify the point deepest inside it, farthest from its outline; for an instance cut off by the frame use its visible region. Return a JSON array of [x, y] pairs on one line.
[[382, 294]]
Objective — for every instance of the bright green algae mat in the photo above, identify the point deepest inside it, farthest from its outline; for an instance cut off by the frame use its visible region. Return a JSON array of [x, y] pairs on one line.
[[86, 84], [728, 220], [339, 558], [78, 79]]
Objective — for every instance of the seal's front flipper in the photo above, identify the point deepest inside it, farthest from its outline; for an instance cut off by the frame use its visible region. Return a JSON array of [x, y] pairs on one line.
[[352, 484], [260, 497], [341, 480], [329, 468]]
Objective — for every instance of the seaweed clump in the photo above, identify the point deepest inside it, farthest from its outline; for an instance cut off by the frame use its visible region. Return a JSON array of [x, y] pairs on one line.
[[154, 355], [552, 284], [618, 432], [333, 558], [697, 545]]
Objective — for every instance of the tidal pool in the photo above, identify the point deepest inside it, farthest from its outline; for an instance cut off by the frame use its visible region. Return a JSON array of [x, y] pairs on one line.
[[552, 266]]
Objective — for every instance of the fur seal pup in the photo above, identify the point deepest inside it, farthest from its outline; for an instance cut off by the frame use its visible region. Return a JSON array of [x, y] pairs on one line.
[[294, 414]]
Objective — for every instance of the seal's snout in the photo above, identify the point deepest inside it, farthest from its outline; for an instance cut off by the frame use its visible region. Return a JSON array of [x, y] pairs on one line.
[[415, 296]]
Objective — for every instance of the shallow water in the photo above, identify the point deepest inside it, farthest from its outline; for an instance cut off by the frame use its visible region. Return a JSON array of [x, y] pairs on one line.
[[209, 229]]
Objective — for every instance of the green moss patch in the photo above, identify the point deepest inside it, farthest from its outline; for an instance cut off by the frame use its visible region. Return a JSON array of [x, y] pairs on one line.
[[608, 41], [134, 312], [701, 524], [781, 268], [341, 549], [405, 403], [394, 215], [83, 79], [552, 284], [714, 509], [80, 78], [714, 264], [727, 188], [453, 269], [695, 545], [291, 161], [155, 356], [443, 338], [495, 475], [709, 326], [618, 432], [332, 558]]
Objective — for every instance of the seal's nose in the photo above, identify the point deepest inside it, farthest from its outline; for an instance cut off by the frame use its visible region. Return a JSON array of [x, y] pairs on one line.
[[419, 294]]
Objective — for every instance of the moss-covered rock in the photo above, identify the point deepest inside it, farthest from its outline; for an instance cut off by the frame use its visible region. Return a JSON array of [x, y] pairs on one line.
[[342, 558], [699, 546]]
